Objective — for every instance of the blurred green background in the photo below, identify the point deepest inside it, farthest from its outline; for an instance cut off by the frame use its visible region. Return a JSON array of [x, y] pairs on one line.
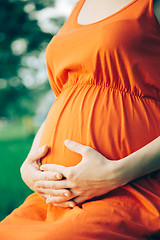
[[26, 27]]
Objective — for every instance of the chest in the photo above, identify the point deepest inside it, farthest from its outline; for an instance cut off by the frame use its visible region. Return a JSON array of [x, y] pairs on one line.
[[93, 10]]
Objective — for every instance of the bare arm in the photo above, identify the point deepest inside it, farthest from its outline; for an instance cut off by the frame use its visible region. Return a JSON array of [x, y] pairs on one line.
[[144, 161], [96, 175], [31, 164], [37, 138], [30, 169]]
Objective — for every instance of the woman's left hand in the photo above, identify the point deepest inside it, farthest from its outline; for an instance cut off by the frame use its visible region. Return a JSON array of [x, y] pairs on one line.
[[95, 175]]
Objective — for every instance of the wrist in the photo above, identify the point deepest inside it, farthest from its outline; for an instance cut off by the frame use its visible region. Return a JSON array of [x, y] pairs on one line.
[[121, 171], [116, 174], [141, 162], [135, 165], [125, 170]]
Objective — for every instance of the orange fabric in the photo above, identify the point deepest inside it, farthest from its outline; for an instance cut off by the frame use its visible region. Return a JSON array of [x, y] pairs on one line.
[[106, 76]]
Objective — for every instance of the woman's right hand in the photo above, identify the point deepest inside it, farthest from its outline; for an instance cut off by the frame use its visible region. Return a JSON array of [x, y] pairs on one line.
[[31, 173]]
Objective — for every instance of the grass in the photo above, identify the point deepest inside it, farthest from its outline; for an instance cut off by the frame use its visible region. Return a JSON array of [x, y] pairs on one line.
[[15, 143]]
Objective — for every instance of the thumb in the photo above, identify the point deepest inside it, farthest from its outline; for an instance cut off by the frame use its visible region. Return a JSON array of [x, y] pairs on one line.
[[37, 154], [75, 146]]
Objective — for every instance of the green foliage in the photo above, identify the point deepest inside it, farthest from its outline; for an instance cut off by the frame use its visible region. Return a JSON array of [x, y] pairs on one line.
[[15, 98], [12, 154]]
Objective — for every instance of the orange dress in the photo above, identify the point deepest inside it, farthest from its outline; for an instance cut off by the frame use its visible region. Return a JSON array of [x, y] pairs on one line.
[[106, 76]]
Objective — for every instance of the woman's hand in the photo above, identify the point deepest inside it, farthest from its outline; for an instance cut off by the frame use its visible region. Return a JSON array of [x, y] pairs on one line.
[[31, 173], [95, 175]]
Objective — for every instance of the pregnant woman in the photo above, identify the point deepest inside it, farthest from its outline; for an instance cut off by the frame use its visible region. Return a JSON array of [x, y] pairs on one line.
[[94, 163]]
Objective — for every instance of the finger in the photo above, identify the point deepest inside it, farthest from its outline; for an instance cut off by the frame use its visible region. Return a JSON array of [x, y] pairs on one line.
[[56, 185], [37, 154], [42, 195], [76, 147], [61, 193], [80, 199], [56, 199], [67, 204], [55, 168], [47, 176]]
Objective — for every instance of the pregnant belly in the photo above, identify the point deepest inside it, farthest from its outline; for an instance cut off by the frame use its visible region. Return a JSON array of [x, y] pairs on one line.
[[110, 121]]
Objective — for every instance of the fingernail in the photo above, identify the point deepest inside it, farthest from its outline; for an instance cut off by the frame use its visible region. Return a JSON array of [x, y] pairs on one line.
[[67, 141], [71, 205], [48, 200], [42, 149], [42, 167], [58, 176], [66, 194]]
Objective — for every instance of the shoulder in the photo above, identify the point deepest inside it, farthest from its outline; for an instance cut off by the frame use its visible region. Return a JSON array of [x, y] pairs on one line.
[[156, 9]]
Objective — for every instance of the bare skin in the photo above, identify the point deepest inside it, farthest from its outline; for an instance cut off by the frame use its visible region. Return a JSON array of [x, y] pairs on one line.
[[83, 183], [31, 173], [93, 11], [96, 175], [30, 169]]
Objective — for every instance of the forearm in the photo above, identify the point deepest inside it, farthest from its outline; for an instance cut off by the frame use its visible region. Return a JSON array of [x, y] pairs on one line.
[[144, 161], [34, 155], [37, 138]]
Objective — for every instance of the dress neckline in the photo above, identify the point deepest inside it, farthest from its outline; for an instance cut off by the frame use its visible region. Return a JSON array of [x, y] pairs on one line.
[[81, 3]]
